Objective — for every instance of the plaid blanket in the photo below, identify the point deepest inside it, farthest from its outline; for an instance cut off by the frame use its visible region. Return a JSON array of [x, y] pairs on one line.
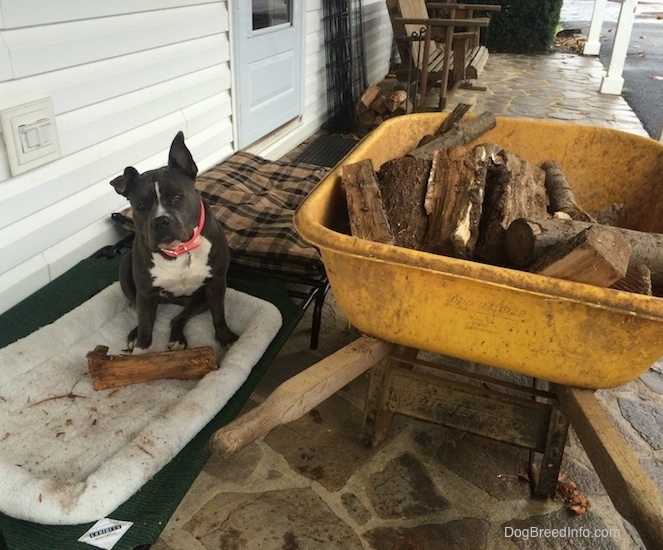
[[255, 199]]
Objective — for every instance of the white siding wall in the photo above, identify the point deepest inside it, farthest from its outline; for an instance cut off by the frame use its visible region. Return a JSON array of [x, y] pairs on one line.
[[377, 40], [124, 77]]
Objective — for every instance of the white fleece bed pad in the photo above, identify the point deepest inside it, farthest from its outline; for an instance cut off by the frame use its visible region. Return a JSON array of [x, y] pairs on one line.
[[70, 454]]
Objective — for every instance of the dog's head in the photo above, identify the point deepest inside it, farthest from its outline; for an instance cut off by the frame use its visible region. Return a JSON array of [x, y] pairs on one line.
[[165, 202]]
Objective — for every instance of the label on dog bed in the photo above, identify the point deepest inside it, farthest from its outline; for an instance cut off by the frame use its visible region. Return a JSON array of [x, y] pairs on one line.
[[105, 533]]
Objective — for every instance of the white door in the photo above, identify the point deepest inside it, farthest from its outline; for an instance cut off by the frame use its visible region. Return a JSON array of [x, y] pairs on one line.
[[268, 66]]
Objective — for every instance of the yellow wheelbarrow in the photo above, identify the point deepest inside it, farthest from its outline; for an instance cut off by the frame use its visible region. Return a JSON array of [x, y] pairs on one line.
[[576, 336]]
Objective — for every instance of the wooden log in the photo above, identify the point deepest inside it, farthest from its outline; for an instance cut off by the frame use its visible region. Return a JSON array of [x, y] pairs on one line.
[[633, 493], [513, 187], [637, 280], [369, 95], [597, 255], [461, 134], [527, 239], [304, 391], [403, 186], [379, 105], [453, 202], [454, 118], [368, 219], [610, 214], [560, 194], [395, 100], [365, 115], [111, 371]]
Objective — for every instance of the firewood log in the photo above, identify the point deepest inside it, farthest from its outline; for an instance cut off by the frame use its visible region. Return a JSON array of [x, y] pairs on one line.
[[461, 134], [514, 189], [379, 105], [369, 95], [403, 186], [368, 219], [527, 239], [110, 371], [365, 115], [395, 100], [598, 255], [453, 202], [637, 279], [454, 118], [560, 193]]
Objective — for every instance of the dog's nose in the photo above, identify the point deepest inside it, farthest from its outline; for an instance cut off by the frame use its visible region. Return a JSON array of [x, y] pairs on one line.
[[161, 222]]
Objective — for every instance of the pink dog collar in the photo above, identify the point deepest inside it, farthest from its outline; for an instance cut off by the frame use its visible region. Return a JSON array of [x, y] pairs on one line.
[[192, 243]]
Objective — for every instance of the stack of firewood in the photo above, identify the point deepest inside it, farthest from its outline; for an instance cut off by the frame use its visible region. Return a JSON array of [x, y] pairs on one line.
[[487, 204], [375, 106]]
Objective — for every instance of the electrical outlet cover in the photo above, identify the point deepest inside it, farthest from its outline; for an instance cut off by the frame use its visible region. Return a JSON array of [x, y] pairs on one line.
[[30, 134]]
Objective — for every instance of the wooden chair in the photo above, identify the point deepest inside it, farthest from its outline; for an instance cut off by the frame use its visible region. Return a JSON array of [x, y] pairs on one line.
[[438, 48]]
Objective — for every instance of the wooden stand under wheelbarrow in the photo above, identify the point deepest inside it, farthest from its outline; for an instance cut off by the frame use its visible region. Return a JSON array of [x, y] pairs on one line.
[[537, 422]]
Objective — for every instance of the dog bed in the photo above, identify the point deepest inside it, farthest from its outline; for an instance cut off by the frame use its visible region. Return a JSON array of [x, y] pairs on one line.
[[71, 455], [153, 505]]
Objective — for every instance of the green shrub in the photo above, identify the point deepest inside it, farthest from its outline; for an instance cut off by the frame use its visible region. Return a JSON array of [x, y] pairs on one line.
[[522, 26]]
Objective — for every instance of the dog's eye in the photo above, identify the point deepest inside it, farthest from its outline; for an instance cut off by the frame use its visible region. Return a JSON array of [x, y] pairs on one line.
[[140, 206], [175, 198]]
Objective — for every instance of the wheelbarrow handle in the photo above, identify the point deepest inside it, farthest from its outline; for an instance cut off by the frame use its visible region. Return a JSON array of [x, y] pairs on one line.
[[297, 396], [633, 493]]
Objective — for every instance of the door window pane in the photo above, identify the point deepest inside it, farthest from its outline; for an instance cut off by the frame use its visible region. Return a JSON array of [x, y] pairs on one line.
[[267, 13]]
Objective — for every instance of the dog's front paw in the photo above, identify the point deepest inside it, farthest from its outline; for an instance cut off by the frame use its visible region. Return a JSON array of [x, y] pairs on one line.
[[132, 343], [131, 340], [226, 337], [176, 345], [177, 340]]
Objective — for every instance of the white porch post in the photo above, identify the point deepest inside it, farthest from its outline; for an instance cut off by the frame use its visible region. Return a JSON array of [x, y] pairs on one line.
[[613, 82], [593, 44]]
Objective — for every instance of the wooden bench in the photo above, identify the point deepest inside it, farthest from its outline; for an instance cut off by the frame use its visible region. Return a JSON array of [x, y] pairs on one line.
[[445, 49]]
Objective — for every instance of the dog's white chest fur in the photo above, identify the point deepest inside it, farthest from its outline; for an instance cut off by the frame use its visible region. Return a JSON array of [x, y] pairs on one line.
[[185, 274]]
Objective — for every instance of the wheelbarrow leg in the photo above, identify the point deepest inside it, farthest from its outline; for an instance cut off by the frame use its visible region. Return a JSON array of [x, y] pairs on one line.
[[631, 490], [376, 419], [545, 485], [377, 416], [545, 474]]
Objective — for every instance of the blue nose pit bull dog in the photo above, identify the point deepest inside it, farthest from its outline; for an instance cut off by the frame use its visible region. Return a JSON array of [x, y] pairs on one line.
[[180, 253]]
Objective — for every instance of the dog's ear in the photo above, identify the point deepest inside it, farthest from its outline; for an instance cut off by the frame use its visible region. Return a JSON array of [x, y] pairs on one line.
[[122, 183], [180, 157]]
